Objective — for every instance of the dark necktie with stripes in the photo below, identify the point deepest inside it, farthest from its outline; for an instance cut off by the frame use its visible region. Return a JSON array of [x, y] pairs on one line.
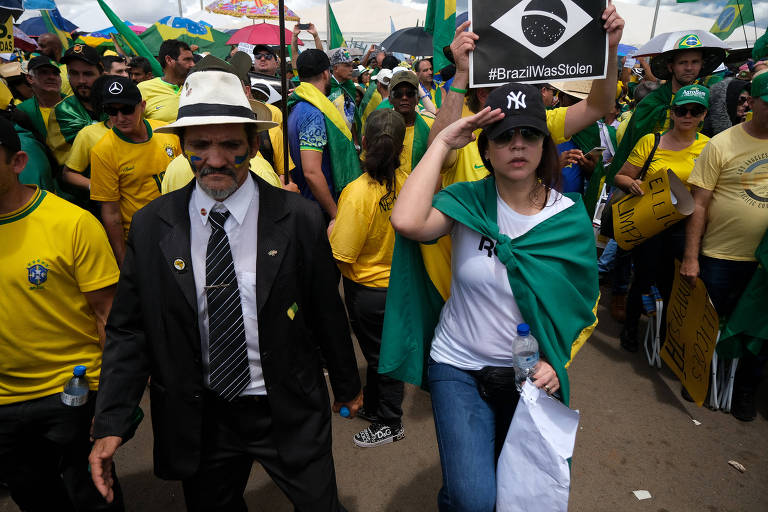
[[228, 356]]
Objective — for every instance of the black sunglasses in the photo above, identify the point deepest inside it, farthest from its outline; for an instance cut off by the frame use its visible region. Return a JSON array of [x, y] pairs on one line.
[[695, 110], [126, 110], [399, 93], [528, 135], [259, 56]]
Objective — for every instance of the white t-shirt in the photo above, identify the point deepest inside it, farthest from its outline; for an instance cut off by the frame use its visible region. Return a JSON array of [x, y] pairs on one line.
[[480, 319]]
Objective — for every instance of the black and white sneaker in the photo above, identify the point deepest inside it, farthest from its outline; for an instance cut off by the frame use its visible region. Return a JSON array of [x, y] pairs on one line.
[[378, 434], [366, 415]]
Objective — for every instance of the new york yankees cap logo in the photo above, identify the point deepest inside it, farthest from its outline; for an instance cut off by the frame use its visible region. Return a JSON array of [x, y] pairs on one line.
[[522, 107]]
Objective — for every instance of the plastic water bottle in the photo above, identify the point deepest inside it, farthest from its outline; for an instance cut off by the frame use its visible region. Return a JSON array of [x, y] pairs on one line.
[[525, 354], [75, 391], [344, 411]]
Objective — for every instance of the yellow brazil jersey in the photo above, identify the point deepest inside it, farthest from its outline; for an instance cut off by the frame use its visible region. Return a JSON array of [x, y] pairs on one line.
[[407, 154], [131, 173], [59, 252], [179, 173], [79, 158], [681, 162], [276, 138], [467, 164], [362, 239], [162, 99]]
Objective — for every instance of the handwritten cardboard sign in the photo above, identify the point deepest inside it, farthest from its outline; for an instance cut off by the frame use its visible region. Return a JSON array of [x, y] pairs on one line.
[[664, 202], [692, 326]]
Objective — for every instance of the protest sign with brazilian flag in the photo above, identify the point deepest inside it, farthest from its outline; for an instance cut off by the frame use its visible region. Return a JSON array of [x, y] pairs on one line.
[[551, 269], [345, 164], [441, 23], [735, 14]]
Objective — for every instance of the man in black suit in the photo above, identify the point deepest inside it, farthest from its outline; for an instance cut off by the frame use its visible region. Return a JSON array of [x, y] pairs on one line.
[[227, 290]]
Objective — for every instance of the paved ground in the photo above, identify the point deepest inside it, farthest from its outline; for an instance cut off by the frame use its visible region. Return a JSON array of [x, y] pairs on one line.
[[635, 433]]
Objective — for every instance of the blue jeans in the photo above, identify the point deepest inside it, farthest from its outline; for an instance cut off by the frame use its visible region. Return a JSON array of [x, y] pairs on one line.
[[470, 434]]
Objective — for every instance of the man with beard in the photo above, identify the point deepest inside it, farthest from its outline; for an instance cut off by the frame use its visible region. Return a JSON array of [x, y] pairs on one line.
[[265, 60], [74, 112], [162, 93], [45, 80], [318, 135], [49, 46], [128, 163]]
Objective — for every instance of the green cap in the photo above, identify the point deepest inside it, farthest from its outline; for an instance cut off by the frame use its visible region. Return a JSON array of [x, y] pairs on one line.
[[385, 122], [760, 86], [692, 94]]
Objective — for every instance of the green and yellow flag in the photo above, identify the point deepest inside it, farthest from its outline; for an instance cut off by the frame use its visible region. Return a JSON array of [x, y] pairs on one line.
[[53, 28], [441, 23], [735, 14], [335, 38], [129, 41]]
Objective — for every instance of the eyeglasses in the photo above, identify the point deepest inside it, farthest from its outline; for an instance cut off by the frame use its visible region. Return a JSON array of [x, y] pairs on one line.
[[529, 135], [126, 110], [399, 93], [683, 110], [259, 56]]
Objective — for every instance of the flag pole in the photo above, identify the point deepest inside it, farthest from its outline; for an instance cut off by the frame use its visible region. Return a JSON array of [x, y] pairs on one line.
[[655, 17], [284, 90], [181, 14], [328, 25], [741, 19]]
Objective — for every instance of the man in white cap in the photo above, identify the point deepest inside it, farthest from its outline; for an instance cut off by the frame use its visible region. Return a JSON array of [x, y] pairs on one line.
[[228, 288]]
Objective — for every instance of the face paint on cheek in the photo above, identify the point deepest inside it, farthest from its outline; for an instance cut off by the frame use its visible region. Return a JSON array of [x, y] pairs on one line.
[[239, 159], [193, 158]]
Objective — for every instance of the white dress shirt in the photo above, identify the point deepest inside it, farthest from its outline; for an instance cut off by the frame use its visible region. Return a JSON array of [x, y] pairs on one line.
[[243, 206]]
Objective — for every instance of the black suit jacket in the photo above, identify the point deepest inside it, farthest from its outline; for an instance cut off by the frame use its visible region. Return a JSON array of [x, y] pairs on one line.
[[153, 331]]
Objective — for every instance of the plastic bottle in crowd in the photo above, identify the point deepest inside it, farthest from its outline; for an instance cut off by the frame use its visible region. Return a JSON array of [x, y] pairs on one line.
[[525, 354], [76, 389], [344, 411]]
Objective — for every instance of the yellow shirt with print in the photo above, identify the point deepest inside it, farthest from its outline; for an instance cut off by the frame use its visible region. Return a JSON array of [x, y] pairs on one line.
[[79, 159], [162, 99], [179, 173], [131, 173], [407, 155], [681, 162], [734, 166], [59, 252], [276, 138], [362, 239]]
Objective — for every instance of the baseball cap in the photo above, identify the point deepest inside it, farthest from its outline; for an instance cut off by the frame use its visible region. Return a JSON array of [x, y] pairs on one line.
[[312, 62], [41, 62], [385, 122], [9, 139], [384, 76], [82, 52], [120, 89], [522, 106], [263, 48], [692, 94], [404, 77], [339, 56], [760, 86]]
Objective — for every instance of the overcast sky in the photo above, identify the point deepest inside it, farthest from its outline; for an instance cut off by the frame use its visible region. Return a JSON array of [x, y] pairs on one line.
[[149, 11]]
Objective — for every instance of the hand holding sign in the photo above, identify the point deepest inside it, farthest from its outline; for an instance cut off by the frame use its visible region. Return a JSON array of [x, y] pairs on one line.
[[614, 25]]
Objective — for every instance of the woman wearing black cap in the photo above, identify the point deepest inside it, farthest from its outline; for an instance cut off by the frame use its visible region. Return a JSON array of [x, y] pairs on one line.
[[521, 253]]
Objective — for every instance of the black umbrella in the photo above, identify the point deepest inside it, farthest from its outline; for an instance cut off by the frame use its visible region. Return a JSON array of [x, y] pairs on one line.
[[412, 41]]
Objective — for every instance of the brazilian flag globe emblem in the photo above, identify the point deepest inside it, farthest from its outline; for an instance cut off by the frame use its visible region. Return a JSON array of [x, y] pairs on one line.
[[726, 18], [689, 41]]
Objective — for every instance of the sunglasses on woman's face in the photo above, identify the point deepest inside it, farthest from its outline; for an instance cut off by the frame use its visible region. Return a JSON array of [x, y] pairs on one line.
[[399, 93], [695, 110], [126, 110], [529, 135]]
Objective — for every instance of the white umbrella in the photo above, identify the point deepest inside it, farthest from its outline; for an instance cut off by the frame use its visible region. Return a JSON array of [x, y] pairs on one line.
[[660, 47]]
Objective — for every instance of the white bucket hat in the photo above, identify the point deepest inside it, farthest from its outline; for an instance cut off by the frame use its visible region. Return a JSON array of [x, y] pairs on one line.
[[214, 97]]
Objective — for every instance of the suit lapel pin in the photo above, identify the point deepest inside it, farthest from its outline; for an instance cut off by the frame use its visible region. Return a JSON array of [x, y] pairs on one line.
[[180, 265], [273, 252]]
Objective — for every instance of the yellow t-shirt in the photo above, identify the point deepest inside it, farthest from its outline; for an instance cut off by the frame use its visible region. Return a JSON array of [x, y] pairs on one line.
[[59, 251], [407, 154], [623, 123], [362, 239], [131, 173], [468, 166], [162, 99], [45, 113], [79, 159], [681, 162], [179, 173], [276, 138], [734, 165]]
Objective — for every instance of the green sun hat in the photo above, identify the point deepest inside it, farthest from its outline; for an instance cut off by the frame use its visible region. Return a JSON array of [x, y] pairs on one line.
[[692, 94]]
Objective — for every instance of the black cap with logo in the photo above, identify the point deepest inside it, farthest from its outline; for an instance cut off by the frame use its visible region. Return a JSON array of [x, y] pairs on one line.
[[82, 52], [119, 89], [42, 62], [522, 107]]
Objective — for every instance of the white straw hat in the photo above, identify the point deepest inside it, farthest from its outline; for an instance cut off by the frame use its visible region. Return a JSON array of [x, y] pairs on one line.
[[214, 97]]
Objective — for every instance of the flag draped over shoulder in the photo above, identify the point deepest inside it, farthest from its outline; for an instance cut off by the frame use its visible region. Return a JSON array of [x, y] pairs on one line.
[[441, 23], [552, 271], [746, 329], [368, 104], [67, 118], [345, 164], [335, 38], [128, 39], [52, 25], [735, 14]]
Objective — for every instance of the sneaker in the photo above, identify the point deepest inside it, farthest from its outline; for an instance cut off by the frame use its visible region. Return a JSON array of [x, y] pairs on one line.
[[628, 339], [378, 434], [363, 413], [743, 405]]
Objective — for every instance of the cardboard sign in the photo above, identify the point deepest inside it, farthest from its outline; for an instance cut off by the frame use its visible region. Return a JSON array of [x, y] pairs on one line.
[[246, 48], [664, 202], [534, 41], [692, 326], [6, 36]]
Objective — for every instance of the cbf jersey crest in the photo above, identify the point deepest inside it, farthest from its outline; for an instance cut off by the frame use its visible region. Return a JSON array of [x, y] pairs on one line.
[[37, 274], [169, 151]]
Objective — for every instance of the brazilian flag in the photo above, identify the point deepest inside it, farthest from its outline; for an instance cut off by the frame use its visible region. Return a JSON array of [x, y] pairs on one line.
[[441, 23], [735, 14]]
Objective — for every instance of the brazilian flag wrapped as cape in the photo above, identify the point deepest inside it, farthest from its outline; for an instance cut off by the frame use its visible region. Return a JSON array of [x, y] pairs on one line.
[[66, 120], [649, 117], [368, 104], [345, 163], [339, 91], [746, 329], [552, 270]]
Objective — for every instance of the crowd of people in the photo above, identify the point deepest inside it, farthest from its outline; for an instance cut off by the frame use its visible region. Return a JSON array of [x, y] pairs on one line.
[[159, 232]]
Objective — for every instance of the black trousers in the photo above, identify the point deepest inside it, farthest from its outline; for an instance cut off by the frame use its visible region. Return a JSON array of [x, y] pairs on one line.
[[237, 433], [44, 448], [382, 395]]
